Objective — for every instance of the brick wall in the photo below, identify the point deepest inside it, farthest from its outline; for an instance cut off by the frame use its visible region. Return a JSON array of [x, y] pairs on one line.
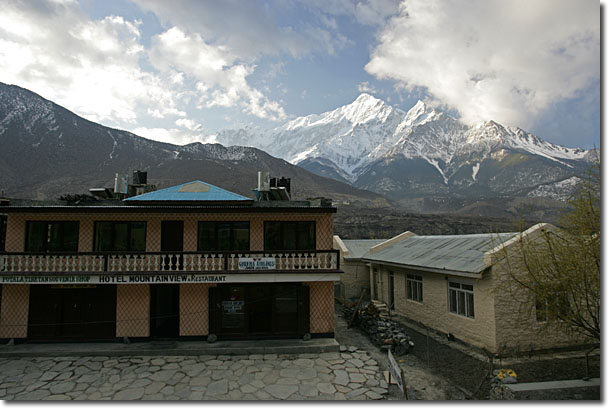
[[133, 310], [321, 307], [194, 309], [14, 311]]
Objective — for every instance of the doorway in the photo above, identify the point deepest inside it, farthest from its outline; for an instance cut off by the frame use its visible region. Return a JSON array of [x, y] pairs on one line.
[[164, 311], [172, 234]]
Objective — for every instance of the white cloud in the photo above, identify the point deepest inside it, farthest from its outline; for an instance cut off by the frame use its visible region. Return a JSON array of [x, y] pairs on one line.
[[247, 28], [507, 61], [169, 135], [221, 78], [365, 12], [365, 87], [89, 66], [189, 124]]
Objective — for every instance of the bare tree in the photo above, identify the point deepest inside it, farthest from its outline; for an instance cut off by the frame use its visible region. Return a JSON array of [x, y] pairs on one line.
[[559, 268]]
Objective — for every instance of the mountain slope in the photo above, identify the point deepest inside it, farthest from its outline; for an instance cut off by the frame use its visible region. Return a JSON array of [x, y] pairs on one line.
[[48, 151], [420, 152]]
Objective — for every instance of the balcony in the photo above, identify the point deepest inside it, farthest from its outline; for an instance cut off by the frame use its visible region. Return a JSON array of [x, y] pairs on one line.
[[157, 262]]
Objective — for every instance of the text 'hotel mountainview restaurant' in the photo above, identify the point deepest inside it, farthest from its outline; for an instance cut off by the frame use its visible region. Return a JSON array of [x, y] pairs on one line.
[[189, 261]]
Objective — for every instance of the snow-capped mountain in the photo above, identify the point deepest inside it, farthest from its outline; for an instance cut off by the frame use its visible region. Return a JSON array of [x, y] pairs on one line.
[[420, 152], [47, 151]]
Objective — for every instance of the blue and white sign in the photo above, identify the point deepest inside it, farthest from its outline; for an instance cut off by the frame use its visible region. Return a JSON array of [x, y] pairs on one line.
[[256, 263]]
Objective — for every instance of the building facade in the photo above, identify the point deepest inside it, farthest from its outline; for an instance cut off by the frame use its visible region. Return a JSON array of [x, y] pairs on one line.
[[454, 284], [355, 277], [185, 262]]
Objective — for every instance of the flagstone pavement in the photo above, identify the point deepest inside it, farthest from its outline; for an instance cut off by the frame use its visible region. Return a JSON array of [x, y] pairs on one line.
[[350, 374]]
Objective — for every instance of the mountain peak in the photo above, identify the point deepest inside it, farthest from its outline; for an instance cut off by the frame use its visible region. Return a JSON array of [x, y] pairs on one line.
[[366, 97]]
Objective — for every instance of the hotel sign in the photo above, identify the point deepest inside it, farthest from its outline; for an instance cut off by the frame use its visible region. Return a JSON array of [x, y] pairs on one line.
[[126, 279]]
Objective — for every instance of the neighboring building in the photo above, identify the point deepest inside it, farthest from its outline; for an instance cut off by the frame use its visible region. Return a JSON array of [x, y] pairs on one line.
[[356, 275], [186, 261], [450, 284]]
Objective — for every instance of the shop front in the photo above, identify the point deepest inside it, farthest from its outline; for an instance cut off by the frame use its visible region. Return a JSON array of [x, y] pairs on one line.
[[72, 312], [259, 310]]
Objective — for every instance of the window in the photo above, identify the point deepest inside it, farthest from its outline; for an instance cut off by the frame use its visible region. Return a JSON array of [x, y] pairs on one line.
[[552, 306], [128, 236], [2, 232], [461, 299], [290, 236], [414, 287], [223, 236], [60, 236]]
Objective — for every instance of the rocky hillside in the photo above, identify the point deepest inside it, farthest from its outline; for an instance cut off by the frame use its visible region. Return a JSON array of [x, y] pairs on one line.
[[48, 151]]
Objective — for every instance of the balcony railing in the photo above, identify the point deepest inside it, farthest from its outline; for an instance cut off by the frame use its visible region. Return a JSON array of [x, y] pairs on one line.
[[95, 262]]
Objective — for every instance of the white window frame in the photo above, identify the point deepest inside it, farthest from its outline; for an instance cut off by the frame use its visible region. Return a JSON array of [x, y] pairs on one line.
[[460, 298], [414, 284]]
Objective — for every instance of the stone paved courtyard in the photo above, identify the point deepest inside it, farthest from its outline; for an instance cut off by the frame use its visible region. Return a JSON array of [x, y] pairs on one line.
[[347, 375]]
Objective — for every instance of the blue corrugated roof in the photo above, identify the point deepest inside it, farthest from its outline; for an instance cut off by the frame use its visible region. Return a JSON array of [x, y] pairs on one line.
[[190, 191]]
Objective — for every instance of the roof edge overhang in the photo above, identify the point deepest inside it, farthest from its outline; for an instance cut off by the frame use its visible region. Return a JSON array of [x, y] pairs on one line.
[[471, 275], [163, 209], [237, 202]]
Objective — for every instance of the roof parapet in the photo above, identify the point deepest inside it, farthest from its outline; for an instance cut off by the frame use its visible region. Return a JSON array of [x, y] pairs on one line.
[[493, 255], [338, 244], [391, 241]]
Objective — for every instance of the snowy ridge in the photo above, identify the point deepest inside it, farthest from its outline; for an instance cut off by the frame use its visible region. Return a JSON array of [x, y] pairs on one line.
[[560, 191], [358, 134]]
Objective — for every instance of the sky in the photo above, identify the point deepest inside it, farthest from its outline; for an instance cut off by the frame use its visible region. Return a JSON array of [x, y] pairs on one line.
[[180, 70]]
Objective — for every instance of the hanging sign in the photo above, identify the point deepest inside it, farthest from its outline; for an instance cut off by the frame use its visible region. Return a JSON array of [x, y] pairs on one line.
[[256, 263]]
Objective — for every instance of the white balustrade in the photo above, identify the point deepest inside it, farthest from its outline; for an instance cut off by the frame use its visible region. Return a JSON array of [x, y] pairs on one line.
[[187, 262]]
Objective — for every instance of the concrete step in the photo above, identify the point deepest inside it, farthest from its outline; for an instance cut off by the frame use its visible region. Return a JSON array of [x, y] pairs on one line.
[[171, 348]]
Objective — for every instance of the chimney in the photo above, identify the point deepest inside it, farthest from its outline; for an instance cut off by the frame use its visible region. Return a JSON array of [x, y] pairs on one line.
[[139, 177]]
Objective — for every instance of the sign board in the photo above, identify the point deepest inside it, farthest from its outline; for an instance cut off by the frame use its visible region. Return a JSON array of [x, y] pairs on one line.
[[397, 373], [394, 369], [256, 263], [232, 306], [109, 279]]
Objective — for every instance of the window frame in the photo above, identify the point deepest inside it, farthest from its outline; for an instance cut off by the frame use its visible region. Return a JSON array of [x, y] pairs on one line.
[[48, 224], [296, 234], [543, 312], [462, 299], [129, 229], [232, 238], [417, 290]]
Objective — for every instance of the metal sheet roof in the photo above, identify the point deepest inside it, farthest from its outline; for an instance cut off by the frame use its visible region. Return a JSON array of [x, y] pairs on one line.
[[190, 191], [358, 247], [458, 253]]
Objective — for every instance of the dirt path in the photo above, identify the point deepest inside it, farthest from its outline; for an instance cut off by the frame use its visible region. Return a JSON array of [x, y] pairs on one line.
[[422, 384]]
